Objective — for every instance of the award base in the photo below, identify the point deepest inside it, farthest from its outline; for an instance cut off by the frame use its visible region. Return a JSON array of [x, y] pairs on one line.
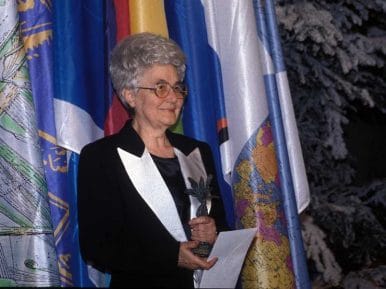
[[202, 250]]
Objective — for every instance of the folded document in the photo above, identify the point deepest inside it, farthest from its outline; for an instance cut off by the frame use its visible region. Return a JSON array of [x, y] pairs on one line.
[[230, 248]]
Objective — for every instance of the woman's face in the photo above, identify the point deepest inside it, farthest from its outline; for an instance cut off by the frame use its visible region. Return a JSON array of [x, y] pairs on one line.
[[152, 112]]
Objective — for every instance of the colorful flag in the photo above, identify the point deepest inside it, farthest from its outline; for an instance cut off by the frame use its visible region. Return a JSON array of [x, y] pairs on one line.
[[292, 173], [27, 250], [230, 71]]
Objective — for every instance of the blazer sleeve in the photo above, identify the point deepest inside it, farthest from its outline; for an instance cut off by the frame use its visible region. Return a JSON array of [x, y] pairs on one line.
[[217, 211], [99, 209]]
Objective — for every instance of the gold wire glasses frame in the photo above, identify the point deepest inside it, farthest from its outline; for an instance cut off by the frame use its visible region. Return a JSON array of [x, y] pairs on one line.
[[162, 89]]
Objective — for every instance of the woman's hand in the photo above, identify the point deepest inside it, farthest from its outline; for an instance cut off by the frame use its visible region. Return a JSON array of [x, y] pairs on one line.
[[187, 259], [203, 229]]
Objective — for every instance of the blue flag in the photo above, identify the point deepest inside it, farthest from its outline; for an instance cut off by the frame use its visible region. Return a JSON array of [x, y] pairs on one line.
[[79, 104]]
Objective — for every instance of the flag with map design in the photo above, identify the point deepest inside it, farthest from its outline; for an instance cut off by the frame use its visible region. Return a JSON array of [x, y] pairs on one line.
[[27, 248]]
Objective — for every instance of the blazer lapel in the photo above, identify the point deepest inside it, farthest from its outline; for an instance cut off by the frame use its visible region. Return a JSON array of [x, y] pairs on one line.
[[141, 168], [155, 192]]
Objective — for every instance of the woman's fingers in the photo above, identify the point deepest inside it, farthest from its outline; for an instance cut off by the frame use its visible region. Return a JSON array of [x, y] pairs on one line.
[[188, 260], [203, 229], [201, 220]]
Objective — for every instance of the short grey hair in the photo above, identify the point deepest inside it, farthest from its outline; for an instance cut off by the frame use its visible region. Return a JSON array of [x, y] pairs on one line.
[[135, 53]]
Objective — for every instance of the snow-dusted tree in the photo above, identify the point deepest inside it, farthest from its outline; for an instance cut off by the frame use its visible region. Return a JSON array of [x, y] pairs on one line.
[[335, 53]]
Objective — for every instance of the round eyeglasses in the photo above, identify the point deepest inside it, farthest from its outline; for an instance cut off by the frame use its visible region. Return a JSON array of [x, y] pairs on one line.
[[162, 89]]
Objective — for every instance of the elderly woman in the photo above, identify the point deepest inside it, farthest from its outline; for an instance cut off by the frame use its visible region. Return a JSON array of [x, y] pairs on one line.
[[136, 220]]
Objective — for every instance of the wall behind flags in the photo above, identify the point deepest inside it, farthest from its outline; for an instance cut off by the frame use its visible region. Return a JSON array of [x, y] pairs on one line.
[[239, 102]]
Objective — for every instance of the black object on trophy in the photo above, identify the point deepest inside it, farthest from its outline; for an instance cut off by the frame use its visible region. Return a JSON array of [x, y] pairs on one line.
[[201, 191]]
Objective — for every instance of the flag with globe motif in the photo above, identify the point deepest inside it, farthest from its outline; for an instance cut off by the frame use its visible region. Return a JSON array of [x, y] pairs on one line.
[[238, 92]]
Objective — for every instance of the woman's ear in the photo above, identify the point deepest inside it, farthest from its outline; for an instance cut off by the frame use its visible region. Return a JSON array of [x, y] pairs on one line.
[[129, 97]]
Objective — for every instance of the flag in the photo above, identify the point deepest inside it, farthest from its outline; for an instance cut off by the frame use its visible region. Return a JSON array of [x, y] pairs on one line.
[[79, 101], [230, 71], [292, 173], [27, 249], [148, 16], [36, 23], [204, 106], [80, 105]]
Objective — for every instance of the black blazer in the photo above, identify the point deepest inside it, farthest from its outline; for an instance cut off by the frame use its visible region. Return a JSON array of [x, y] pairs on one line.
[[118, 232]]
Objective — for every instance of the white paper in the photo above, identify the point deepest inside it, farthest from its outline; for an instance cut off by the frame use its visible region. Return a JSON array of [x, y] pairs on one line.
[[230, 248]]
